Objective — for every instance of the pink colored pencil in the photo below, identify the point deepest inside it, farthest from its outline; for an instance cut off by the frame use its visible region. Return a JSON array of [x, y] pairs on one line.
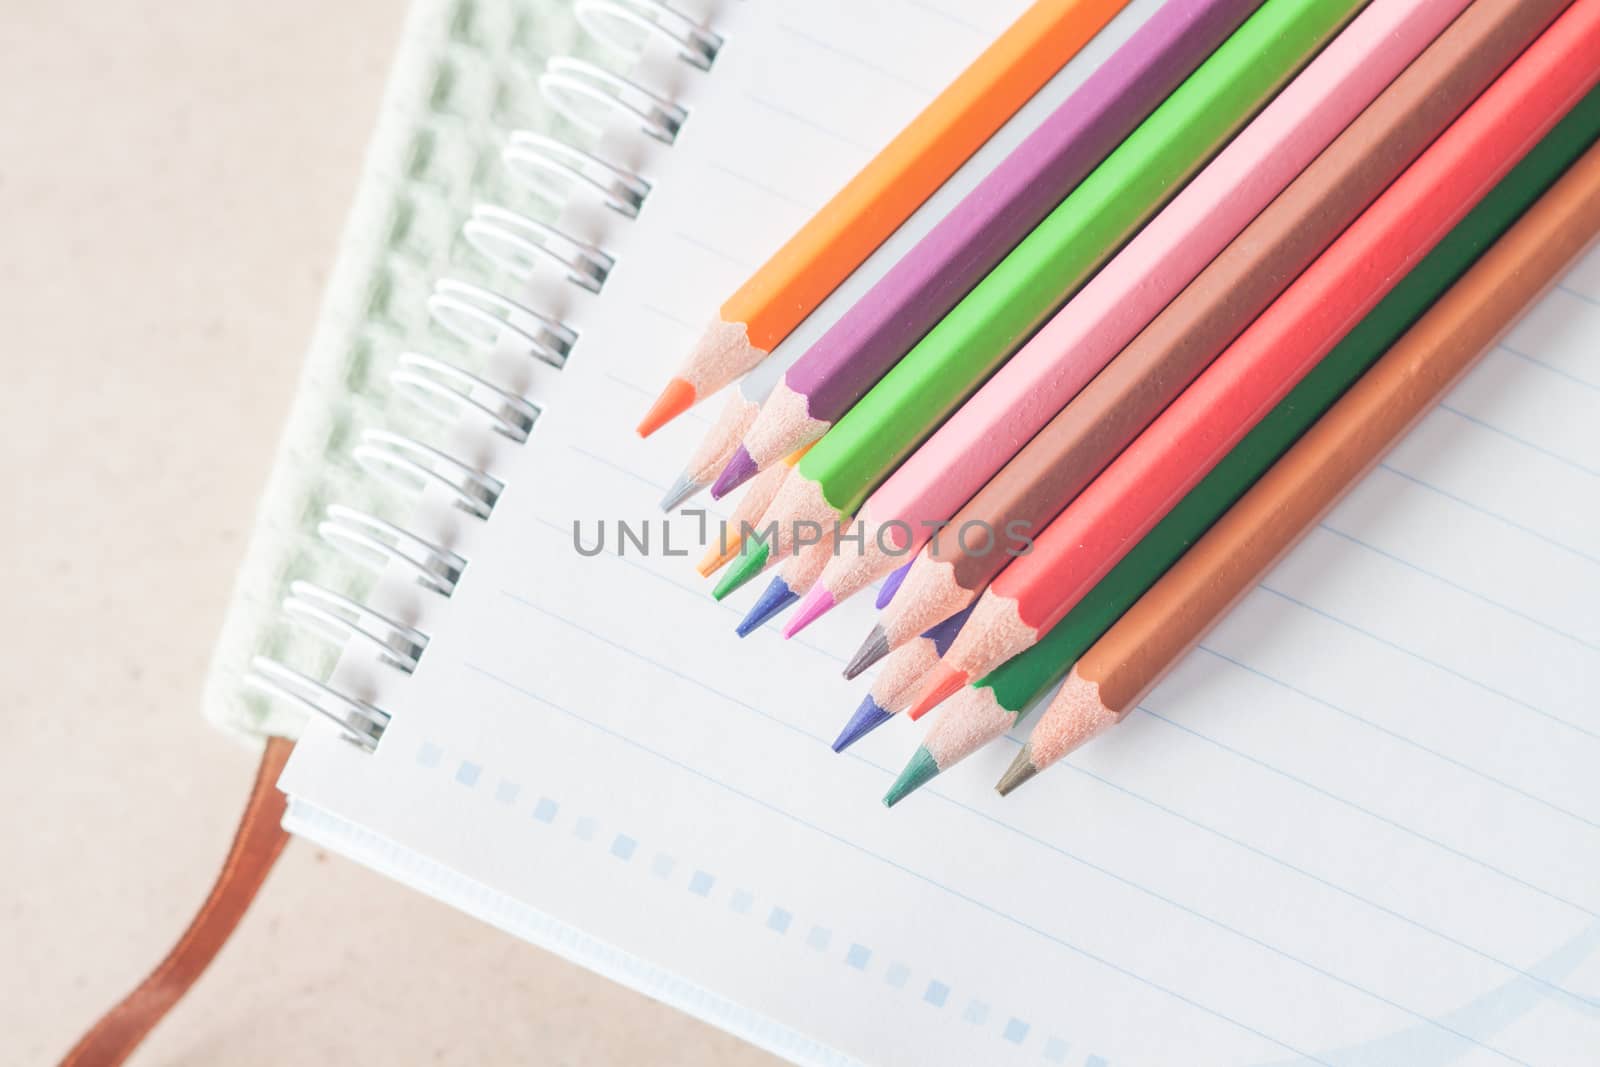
[[1278, 349], [980, 438]]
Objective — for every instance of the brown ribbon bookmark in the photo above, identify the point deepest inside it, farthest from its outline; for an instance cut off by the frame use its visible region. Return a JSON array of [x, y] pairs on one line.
[[256, 845]]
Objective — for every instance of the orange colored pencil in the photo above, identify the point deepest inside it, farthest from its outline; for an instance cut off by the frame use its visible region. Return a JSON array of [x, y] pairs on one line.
[[1114, 674], [800, 275]]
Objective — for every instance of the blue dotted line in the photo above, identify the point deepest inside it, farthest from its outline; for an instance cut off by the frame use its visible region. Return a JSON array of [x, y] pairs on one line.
[[779, 920]]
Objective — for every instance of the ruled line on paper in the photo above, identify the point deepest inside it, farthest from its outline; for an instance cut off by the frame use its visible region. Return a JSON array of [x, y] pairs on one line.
[[1088, 864], [696, 241], [1483, 598], [1485, 424], [1423, 483], [951, 16], [1443, 668], [1532, 361], [922, 91], [1418, 834], [767, 188], [811, 124], [1376, 816], [917, 875], [1378, 727]]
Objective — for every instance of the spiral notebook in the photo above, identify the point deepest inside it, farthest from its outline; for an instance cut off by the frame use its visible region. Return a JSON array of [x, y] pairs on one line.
[[1277, 860]]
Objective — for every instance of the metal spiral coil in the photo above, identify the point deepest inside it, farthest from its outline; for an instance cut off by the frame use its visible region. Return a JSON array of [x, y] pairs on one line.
[[584, 93], [341, 619], [362, 723], [696, 45], [540, 161], [517, 244], [448, 391], [480, 317], [484, 319], [376, 542], [415, 465]]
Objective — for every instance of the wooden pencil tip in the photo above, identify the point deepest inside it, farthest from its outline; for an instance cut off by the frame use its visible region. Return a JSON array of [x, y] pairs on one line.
[[868, 717], [774, 599], [749, 565], [679, 396], [682, 489], [891, 585], [874, 648], [919, 771], [816, 603], [944, 682], [740, 469], [1020, 771], [718, 556]]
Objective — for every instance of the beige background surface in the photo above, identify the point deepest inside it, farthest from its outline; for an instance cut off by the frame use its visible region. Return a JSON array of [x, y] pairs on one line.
[[172, 181]]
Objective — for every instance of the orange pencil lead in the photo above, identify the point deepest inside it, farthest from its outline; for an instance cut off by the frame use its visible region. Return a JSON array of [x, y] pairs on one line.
[[679, 396]]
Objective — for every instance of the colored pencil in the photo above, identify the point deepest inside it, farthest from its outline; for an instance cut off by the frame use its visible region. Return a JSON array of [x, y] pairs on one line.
[[1270, 357], [899, 680], [797, 575], [722, 440], [1114, 674], [990, 707], [1088, 226], [799, 572], [984, 227], [1131, 290], [1056, 465], [891, 586], [730, 537], [834, 241]]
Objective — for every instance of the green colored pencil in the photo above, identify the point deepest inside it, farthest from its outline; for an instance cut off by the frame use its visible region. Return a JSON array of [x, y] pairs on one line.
[[1107, 208], [992, 705]]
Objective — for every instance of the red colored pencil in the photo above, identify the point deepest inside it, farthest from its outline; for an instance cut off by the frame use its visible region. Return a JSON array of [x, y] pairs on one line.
[[1268, 359]]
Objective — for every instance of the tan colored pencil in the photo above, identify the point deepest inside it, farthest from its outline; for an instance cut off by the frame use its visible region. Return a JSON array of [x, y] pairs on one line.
[[1109, 680]]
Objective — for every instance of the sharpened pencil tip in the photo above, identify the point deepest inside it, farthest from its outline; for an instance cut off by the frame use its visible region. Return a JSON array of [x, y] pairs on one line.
[[874, 648], [774, 599], [816, 603], [1020, 771], [717, 555], [891, 585], [868, 717], [919, 771], [942, 684], [682, 489], [679, 396], [740, 469], [748, 566]]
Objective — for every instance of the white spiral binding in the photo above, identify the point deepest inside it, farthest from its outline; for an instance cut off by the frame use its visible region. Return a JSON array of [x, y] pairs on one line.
[[483, 318]]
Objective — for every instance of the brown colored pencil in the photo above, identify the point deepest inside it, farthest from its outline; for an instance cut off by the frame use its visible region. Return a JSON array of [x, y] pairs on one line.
[[1109, 680], [1238, 285]]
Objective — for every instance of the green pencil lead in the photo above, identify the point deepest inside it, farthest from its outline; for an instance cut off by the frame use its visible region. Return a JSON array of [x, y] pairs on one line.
[[919, 771], [749, 564]]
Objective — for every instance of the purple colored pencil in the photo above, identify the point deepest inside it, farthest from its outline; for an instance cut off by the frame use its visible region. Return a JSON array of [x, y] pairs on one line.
[[981, 230], [890, 584]]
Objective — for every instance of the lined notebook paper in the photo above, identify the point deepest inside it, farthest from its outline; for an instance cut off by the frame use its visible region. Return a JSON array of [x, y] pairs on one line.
[[1359, 825]]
